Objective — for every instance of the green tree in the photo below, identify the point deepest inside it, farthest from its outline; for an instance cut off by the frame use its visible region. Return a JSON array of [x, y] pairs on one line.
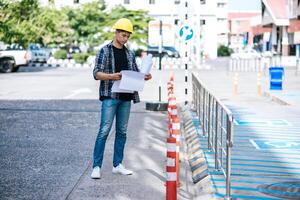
[[52, 26], [15, 21], [87, 21], [24, 22]]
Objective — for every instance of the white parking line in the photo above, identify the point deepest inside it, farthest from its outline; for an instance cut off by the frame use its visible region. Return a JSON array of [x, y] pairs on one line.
[[77, 92]]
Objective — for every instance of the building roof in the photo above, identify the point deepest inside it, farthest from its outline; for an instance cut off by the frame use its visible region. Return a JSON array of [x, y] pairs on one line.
[[277, 9]]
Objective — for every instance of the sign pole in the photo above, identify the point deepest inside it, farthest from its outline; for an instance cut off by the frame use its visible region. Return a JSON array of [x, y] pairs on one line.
[[160, 55], [186, 59]]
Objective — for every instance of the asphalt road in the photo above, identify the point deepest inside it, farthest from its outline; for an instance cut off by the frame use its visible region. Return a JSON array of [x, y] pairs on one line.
[[48, 119]]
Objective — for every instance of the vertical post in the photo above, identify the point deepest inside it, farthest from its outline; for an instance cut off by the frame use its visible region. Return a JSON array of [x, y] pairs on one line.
[[204, 108], [216, 138], [297, 66], [228, 154], [235, 83], [259, 84], [208, 123], [186, 59], [160, 55]]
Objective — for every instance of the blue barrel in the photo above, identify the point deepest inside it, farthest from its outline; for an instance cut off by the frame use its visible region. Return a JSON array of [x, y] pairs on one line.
[[276, 77]]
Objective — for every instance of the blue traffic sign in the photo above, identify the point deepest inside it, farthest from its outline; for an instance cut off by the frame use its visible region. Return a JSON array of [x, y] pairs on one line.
[[276, 144], [186, 33]]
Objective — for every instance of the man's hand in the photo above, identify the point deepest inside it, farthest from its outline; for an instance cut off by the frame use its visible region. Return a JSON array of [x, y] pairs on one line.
[[115, 76], [148, 77]]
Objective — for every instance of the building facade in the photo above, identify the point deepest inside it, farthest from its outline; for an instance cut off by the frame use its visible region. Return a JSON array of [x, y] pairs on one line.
[[282, 16]]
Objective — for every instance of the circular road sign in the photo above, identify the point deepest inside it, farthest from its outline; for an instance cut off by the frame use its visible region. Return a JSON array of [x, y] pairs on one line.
[[186, 33]]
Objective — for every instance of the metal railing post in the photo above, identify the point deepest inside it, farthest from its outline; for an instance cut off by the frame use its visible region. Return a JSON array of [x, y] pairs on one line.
[[216, 139], [228, 154], [208, 122]]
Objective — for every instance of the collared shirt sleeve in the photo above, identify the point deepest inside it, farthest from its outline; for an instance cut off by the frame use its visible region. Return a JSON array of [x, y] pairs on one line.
[[135, 67], [99, 62]]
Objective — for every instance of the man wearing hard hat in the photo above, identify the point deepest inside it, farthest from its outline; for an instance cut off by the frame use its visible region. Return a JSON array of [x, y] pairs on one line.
[[111, 59]]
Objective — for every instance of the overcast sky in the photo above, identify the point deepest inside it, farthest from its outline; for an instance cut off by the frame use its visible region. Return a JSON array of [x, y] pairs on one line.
[[244, 5]]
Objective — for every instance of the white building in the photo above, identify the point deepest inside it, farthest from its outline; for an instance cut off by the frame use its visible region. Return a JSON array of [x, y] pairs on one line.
[[208, 19]]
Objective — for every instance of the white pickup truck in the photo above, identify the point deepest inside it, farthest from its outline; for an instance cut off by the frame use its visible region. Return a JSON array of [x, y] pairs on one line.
[[12, 58]]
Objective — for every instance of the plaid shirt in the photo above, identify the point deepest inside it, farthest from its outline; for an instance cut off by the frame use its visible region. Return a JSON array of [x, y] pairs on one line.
[[105, 63]]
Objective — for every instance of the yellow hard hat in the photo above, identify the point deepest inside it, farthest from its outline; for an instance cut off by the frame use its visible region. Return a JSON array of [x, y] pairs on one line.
[[124, 24]]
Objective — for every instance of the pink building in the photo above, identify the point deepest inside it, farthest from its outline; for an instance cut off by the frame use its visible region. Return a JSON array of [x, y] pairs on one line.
[[282, 17], [240, 29]]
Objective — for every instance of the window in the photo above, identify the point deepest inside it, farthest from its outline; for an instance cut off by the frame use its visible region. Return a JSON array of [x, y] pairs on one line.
[[221, 5], [202, 22], [176, 21], [176, 2], [151, 1], [202, 2], [126, 1], [221, 19], [76, 1]]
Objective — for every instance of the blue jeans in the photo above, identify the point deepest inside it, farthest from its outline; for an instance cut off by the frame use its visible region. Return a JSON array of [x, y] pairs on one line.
[[111, 108]]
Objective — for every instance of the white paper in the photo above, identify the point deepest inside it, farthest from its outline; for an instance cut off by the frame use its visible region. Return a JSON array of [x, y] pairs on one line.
[[116, 88], [146, 64], [132, 80]]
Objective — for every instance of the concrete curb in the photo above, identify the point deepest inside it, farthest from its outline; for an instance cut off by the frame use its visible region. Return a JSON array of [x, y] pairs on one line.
[[276, 99], [195, 156], [66, 65]]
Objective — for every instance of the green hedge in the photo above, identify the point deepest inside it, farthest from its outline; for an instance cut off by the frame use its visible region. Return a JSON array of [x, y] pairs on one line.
[[80, 57], [60, 54], [223, 51]]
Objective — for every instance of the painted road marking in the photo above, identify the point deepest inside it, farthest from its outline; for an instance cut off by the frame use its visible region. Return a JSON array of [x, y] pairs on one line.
[[257, 122], [77, 92], [275, 144]]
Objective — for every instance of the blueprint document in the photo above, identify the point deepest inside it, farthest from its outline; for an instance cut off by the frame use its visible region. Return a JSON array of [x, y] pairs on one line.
[[131, 80]]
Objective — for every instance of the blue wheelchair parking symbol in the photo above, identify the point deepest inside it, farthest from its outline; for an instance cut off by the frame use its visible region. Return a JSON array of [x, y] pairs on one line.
[[186, 33]]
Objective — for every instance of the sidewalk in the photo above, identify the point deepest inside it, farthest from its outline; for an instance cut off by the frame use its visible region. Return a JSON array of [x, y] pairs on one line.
[[144, 154]]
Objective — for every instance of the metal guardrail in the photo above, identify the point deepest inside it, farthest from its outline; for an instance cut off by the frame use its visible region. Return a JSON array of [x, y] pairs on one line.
[[246, 65], [217, 123], [262, 64]]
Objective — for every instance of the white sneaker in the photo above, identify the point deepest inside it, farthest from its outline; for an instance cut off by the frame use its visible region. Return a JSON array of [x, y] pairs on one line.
[[96, 173], [120, 169]]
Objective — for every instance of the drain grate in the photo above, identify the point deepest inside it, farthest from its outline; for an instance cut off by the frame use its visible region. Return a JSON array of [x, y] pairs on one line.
[[285, 190]]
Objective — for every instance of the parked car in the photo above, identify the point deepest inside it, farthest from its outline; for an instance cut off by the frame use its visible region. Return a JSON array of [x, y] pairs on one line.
[[38, 54], [167, 51], [12, 58]]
